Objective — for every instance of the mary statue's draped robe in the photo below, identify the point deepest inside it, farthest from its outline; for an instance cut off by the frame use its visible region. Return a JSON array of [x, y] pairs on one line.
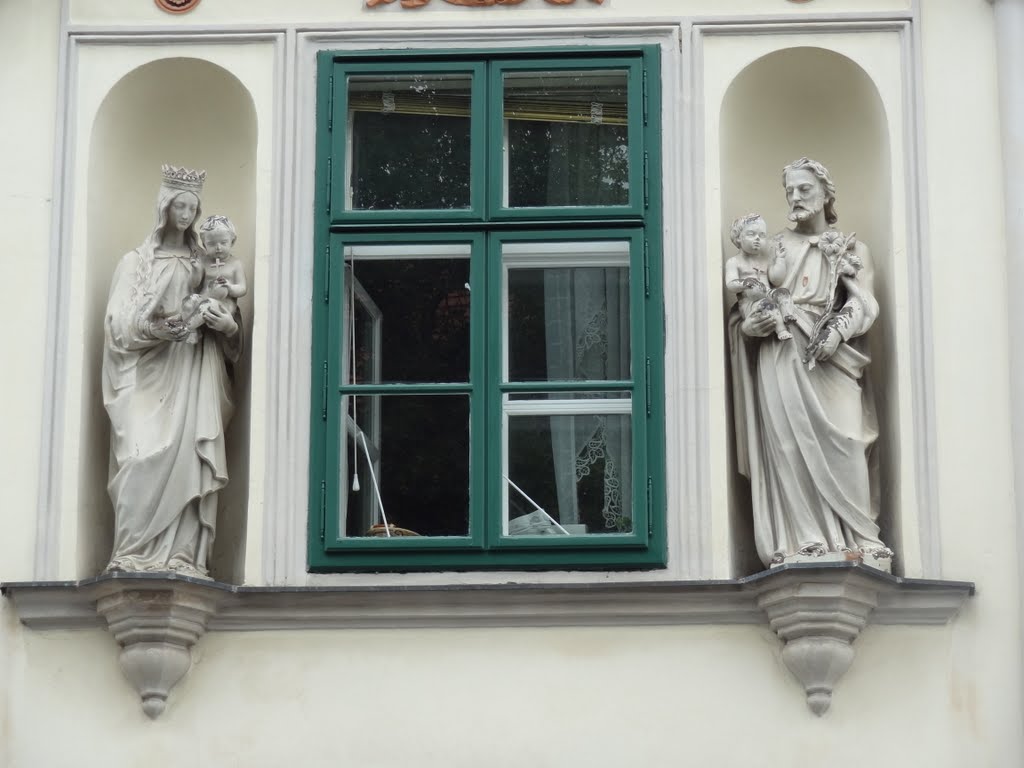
[[805, 437], [169, 403]]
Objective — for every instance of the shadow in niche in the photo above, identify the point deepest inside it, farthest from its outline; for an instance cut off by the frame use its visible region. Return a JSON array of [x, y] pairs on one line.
[[183, 112], [816, 102]]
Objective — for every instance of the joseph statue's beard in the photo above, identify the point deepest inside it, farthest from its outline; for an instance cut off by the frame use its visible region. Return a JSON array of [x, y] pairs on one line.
[[800, 214]]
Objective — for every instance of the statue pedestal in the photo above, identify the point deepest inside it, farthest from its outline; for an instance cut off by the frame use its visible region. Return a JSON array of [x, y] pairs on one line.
[[871, 559]]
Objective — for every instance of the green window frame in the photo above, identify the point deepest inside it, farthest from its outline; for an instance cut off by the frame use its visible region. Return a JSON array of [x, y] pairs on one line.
[[492, 240]]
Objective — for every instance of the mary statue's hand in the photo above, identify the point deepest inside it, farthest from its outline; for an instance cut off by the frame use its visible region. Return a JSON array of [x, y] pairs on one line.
[[220, 320], [758, 324]]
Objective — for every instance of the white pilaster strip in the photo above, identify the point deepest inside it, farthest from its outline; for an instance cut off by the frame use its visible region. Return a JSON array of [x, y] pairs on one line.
[[47, 541], [1009, 29]]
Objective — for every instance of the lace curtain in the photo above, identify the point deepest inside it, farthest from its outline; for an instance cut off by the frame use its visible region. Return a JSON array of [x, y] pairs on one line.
[[587, 338]]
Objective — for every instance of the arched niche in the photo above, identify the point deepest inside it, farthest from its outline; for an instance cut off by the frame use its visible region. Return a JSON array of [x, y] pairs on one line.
[[816, 102], [181, 111]]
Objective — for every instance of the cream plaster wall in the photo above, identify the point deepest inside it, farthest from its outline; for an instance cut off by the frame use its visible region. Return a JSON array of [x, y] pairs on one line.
[[947, 697], [506, 698], [28, 36], [968, 253], [27, 133]]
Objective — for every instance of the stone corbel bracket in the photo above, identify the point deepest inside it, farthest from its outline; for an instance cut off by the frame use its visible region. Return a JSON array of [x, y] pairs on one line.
[[816, 609], [817, 617], [156, 624]]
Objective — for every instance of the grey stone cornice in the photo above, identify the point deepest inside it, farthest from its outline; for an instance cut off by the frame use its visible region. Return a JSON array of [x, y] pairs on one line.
[[72, 604]]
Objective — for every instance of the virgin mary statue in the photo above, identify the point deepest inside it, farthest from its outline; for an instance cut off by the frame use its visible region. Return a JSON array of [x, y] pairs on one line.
[[168, 394]]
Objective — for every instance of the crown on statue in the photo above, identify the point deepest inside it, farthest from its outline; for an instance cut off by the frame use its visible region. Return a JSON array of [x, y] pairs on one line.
[[184, 179]]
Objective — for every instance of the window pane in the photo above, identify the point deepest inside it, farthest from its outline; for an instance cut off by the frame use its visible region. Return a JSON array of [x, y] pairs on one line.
[[568, 141], [410, 139], [568, 323], [516, 396], [365, 324], [416, 454], [411, 318], [569, 474]]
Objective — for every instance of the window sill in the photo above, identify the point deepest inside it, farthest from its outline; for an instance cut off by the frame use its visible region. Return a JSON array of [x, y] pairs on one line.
[[816, 610]]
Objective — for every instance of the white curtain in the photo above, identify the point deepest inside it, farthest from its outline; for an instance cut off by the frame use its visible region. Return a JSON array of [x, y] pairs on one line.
[[587, 338]]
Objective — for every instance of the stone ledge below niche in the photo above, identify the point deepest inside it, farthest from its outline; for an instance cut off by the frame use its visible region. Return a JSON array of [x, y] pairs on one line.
[[817, 610]]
